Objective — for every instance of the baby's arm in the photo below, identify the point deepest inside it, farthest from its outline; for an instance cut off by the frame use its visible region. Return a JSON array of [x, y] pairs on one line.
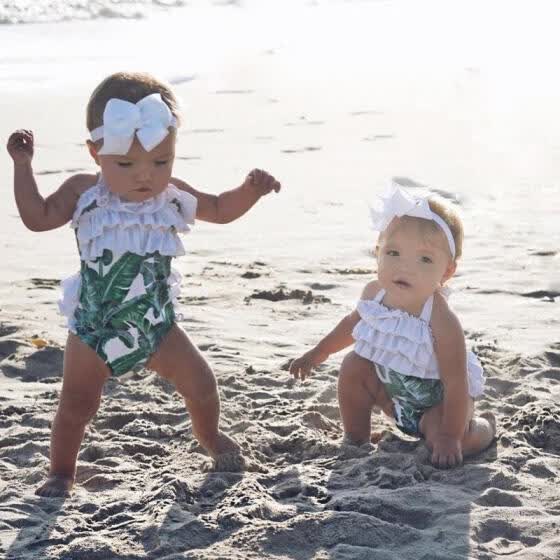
[[449, 345], [38, 213], [338, 339], [230, 205]]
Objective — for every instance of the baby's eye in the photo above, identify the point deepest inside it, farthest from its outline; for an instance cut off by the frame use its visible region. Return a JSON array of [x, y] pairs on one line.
[[392, 253], [162, 162], [124, 163], [427, 260]]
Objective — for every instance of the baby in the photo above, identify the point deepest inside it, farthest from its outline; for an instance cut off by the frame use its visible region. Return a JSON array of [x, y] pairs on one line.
[[409, 357], [121, 307]]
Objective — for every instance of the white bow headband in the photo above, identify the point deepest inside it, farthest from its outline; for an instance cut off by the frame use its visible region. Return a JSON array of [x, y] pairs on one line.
[[396, 202], [149, 119]]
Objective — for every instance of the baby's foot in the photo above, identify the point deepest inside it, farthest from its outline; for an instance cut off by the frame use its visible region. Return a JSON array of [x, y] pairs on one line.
[[491, 419], [226, 454], [229, 462], [481, 433], [352, 441], [56, 486]]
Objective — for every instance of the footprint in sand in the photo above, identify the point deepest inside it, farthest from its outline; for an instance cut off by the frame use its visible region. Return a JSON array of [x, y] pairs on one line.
[[503, 538], [494, 497], [306, 297], [545, 295], [45, 283], [301, 150]]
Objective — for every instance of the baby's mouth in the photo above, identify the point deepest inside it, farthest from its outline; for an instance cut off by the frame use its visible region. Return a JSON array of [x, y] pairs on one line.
[[143, 189], [402, 284]]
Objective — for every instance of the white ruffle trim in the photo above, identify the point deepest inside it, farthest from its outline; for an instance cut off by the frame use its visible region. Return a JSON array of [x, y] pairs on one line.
[[69, 299], [138, 227], [404, 343], [70, 295]]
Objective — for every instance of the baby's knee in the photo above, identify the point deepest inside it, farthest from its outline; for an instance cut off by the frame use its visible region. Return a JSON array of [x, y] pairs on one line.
[[77, 409], [354, 369], [197, 385]]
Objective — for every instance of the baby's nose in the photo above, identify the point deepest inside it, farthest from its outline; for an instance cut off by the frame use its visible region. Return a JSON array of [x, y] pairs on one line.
[[406, 265], [144, 173]]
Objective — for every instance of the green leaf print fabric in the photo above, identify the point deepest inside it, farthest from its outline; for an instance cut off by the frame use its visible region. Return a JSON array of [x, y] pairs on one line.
[[411, 396], [125, 307]]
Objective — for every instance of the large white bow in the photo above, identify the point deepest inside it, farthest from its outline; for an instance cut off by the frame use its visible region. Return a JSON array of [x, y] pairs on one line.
[[149, 119], [397, 202]]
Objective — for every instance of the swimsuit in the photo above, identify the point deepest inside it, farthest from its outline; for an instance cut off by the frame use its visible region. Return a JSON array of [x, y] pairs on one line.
[[121, 303], [401, 348]]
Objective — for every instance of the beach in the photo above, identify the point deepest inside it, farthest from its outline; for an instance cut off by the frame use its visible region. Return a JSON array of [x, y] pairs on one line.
[[334, 99]]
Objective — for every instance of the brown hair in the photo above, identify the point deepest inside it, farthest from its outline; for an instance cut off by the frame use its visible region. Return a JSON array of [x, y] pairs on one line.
[[130, 86]]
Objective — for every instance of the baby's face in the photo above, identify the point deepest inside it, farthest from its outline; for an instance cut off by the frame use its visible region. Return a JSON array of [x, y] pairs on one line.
[[139, 175], [413, 260]]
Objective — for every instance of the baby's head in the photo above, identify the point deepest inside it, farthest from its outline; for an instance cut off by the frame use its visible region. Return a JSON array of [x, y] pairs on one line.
[[129, 86], [132, 118], [417, 255]]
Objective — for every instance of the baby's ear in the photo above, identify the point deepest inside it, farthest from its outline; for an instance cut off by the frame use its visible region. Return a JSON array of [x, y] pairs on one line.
[[449, 272], [93, 150]]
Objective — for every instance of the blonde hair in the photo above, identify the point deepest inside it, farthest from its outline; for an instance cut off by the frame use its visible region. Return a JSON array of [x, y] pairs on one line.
[[448, 214], [130, 86]]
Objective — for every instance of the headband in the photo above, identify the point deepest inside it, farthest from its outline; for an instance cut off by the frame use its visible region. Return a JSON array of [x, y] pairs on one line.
[[149, 119], [396, 202]]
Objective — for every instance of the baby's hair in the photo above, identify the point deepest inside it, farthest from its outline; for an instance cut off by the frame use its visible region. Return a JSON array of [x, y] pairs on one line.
[[129, 86]]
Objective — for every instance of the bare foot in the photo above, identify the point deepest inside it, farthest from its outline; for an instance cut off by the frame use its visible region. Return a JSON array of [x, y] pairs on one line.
[[351, 441], [481, 433], [229, 462], [56, 486], [226, 454], [491, 419]]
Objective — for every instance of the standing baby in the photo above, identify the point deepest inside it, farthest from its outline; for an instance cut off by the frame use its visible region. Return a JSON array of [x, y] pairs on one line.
[[127, 219]]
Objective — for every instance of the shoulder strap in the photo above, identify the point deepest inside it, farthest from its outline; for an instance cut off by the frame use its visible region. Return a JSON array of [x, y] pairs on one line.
[[379, 295], [426, 314]]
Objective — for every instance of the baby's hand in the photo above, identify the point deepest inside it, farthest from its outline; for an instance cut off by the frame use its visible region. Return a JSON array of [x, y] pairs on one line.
[[262, 182], [20, 146], [301, 367], [446, 451]]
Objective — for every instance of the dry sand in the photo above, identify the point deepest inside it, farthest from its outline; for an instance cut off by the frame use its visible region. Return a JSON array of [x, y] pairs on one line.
[[143, 487]]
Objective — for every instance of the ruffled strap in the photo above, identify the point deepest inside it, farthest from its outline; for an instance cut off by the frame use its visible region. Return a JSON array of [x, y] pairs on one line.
[[69, 298], [475, 375]]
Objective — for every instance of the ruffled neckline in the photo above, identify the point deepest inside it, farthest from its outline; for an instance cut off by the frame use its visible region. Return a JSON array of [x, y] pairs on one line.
[[103, 220], [104, 198]]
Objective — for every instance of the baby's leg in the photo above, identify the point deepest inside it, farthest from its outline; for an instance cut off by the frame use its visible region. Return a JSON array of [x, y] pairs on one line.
[[359, 390], [82, 384], [479, 434], [179, 361]]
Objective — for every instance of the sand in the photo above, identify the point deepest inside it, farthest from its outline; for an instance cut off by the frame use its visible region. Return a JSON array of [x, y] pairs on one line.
[[259, 292]]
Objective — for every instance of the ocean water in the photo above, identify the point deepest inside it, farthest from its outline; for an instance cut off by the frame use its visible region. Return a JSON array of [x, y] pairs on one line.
[[41, 11]]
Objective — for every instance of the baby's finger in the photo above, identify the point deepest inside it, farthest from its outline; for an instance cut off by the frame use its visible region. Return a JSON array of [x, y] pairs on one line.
[[305, 371], [15, 138], [294, 367], [256, 175]]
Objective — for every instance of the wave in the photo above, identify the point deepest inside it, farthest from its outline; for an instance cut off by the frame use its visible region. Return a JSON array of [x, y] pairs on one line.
[[42, 11]]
